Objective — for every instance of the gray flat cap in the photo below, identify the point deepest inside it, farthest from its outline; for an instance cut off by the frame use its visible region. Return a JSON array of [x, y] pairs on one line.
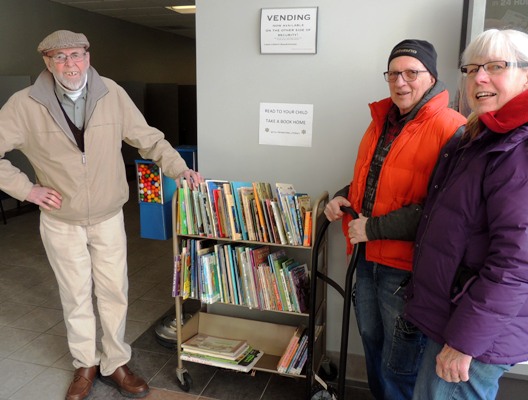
[[62, 40]]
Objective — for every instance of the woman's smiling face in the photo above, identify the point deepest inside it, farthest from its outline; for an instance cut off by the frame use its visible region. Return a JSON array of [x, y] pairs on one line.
[[486, 91]]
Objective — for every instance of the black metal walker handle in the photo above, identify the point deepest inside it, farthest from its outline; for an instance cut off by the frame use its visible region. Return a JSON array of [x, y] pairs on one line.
[[347, 305]]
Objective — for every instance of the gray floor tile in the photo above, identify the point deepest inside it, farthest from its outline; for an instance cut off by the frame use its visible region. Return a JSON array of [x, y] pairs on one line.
[[25, 292], [156, 270], [201, 376], [138, 287], [53, 301], [12, 339], [10, 311], [39, 319], [286, 388], [135, 329], [147, 364], [65, 363], [232, 385], [44, 350], [148, 342], [146, 311], [14, 375], [161, 292], [59, 329], [25, 257], [51, 384]]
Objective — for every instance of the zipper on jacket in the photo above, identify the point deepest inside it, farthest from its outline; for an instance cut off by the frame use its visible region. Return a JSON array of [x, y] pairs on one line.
[[83, 158]]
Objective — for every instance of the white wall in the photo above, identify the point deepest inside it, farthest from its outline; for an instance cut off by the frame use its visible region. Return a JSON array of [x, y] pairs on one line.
[[353, 44]]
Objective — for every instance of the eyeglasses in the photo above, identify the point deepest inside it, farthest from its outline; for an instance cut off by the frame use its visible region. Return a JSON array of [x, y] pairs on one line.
[[408, 75], [491, 67], [61, 58]]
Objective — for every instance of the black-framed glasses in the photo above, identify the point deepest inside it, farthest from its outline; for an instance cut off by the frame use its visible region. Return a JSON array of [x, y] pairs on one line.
[[408, 75], [61, 58], [491, 67]]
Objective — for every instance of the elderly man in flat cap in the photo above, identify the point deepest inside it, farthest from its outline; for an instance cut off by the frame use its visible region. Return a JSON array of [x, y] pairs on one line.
[[70, 124]]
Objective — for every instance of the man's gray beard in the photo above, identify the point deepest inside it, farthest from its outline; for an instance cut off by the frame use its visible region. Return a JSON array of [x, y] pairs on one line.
[[66, 84]]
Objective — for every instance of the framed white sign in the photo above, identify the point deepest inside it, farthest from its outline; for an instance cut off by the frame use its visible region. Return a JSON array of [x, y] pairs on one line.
[[288, 30]]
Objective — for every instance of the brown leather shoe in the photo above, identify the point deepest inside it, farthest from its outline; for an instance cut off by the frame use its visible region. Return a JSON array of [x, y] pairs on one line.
[[81, 385], [128, 384]]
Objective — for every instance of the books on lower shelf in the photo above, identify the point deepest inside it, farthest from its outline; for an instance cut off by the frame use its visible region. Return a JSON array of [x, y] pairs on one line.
[[235, 273], [220, 352], [214, 346], [241, 210], [245, 364], [294, 357], [288, 354]]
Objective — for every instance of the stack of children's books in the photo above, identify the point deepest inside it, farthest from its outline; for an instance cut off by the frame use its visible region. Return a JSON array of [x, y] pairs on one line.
[[220, 352]]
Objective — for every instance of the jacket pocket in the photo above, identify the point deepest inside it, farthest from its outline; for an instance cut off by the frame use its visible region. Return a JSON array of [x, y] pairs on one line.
[[464, 278]]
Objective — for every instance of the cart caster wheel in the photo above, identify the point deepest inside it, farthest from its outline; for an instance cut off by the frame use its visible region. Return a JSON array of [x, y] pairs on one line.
[[328, 371], [187, 382], [320, 393]]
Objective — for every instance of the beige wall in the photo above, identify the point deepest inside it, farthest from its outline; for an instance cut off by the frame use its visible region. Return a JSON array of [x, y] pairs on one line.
[[119, 50]]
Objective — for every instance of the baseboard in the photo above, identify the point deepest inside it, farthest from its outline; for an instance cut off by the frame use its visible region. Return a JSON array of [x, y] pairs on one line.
[[356, 372]]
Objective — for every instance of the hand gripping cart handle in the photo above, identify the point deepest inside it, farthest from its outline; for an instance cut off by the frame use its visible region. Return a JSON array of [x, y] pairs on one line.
[[321, 390]]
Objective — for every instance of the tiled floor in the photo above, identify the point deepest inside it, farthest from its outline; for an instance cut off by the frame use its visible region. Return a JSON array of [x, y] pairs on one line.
[[34, 358]]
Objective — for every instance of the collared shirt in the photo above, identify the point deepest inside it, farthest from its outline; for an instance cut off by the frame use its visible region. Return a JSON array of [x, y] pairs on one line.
[[75, 110], [395, 123], [393, 126]]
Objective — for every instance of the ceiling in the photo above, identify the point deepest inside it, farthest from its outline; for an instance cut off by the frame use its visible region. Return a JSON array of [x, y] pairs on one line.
[[149, 13]]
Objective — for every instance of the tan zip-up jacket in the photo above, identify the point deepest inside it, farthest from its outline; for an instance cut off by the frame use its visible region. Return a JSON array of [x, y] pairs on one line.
[[93, 184]]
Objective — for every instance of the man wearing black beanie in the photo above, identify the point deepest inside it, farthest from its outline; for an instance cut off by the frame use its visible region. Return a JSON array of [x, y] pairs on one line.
[[395, 159], [419, 49]]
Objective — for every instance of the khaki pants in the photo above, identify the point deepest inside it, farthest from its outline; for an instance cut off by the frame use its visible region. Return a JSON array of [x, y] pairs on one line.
[[83, 257]]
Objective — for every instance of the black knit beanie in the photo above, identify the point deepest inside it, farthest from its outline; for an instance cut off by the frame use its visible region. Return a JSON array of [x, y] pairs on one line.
[[419, 49]]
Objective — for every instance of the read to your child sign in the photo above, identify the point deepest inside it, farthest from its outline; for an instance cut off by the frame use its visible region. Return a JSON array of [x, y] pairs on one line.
[[286, 124]]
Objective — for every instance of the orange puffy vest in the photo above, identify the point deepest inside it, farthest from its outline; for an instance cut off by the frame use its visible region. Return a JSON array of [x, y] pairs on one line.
[[405, 172]]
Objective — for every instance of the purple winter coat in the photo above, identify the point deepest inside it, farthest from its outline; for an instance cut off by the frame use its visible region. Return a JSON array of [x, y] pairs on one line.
[[476, 215]]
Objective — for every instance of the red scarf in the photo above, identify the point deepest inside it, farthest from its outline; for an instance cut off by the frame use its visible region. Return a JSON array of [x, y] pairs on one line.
[[510, 116]]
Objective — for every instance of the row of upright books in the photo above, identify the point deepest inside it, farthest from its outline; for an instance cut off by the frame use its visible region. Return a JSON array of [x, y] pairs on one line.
[[249, 275], [245, 211], [294, 357]]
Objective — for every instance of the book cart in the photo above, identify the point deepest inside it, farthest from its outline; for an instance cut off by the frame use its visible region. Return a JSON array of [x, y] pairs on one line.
[[265, 330]]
